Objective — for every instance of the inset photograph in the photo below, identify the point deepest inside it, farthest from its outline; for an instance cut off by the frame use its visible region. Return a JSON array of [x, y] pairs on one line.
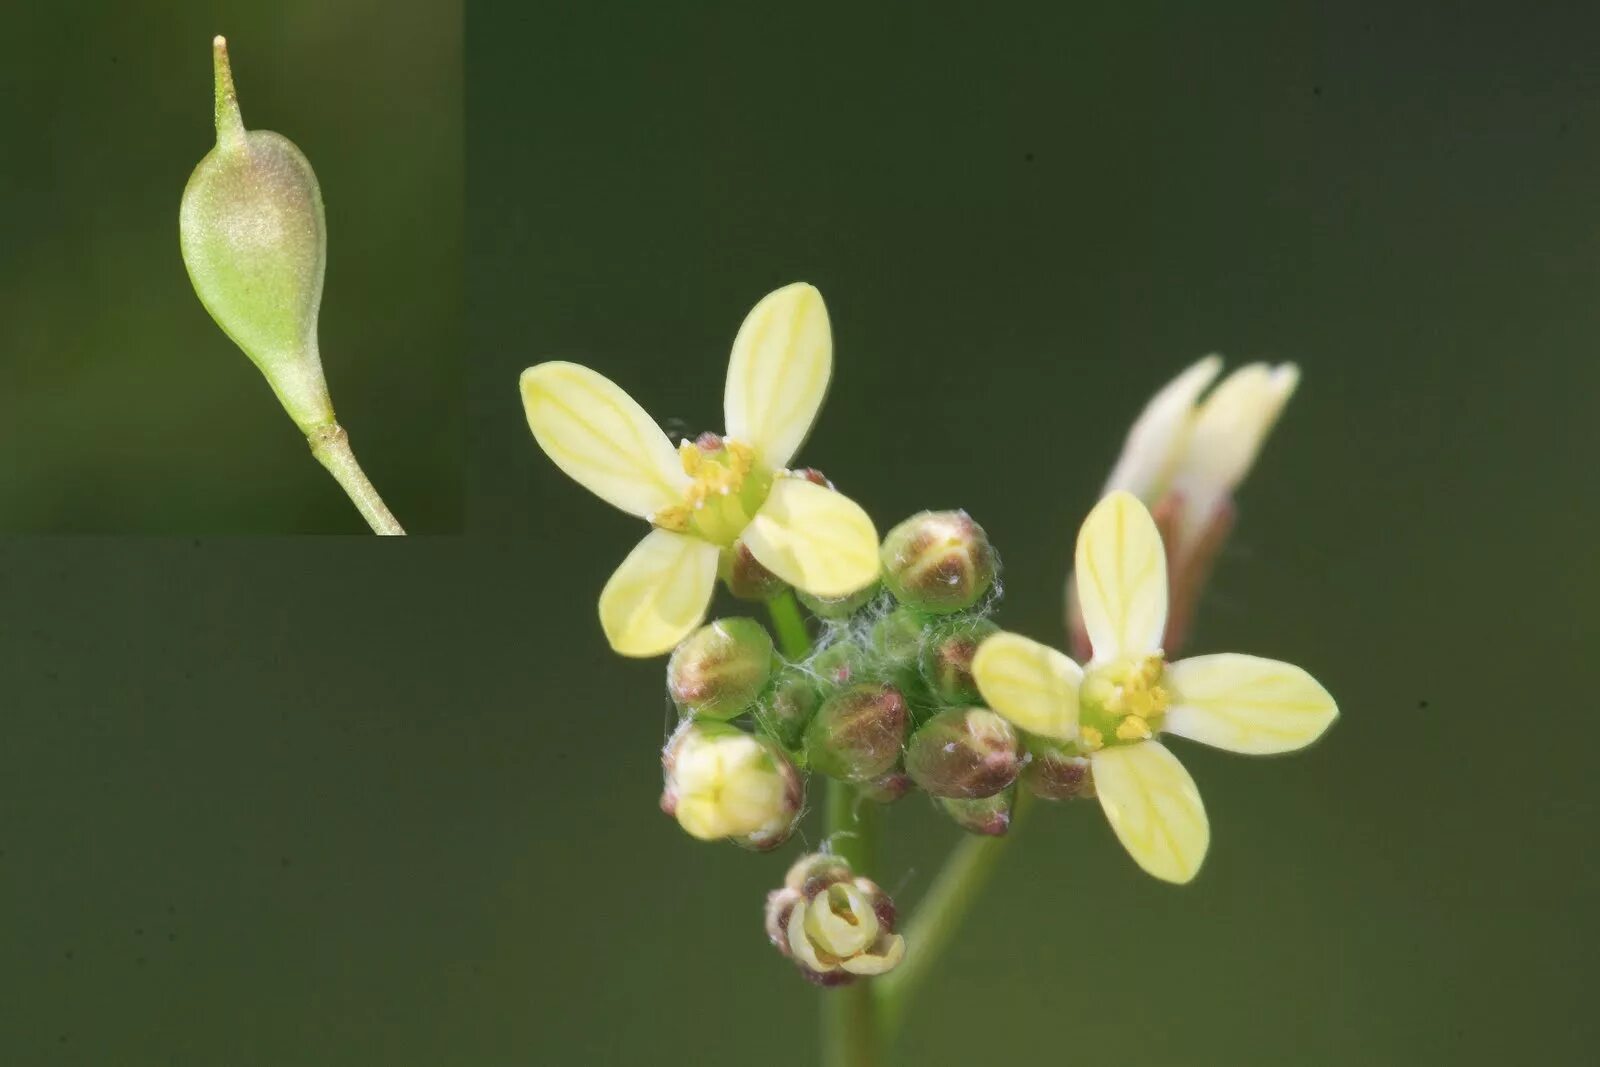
[[233, 266]]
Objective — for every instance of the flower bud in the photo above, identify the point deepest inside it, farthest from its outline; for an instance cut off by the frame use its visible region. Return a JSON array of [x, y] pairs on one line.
[[745, 577], [842, 663], [947, 660], [253, 239], [787, 708], [721, 782], [834, 926], [720, 669], [1057, 771], [840, 607], [897, 638], [857, 733], [990, 816], [887, 787], [964, 753], [938, 562]]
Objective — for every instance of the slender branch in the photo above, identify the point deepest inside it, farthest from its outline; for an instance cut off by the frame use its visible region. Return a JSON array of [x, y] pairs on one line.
[[331, 445], [850, 1033], [793, 641], [962, 878]]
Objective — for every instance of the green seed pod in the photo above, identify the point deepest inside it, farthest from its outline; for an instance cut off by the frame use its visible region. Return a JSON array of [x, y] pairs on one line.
[[965, 753], [718, 671], [786, 710], [857, 733], [947, 660], [254, 241], [990, 816], [939, 562]]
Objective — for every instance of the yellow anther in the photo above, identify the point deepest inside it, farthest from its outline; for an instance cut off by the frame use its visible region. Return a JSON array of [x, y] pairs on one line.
[[692, 458], [675, 518], [1134, 728], [1089, 738]]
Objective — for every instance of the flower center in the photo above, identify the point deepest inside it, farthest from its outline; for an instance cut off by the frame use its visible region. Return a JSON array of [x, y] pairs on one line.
[[1121, 703], [724, 492]]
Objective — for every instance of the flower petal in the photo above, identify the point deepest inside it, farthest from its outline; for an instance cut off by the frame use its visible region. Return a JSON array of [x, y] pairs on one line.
[[659, 594], [778, 373], [817, 540], [1154, 808], [1246, 704], [881, 958], [602, 438], [1152, 446], [1121, 570], [1032, 685]]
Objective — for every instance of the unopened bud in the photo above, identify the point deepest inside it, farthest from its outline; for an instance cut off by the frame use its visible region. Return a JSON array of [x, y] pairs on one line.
[[720, 669], [897, 638], [838, 607], [745, 577], [857, 733], [990, 816], [842, 663], [887, 787], [787, 708], [1057, 771], [722, 783], [253, 239], [836, 927], [938, 562], [947, 660], [964, 753]]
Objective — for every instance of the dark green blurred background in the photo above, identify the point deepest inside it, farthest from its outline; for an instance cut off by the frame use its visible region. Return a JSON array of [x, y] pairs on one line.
[[124, 408], [297, 801]]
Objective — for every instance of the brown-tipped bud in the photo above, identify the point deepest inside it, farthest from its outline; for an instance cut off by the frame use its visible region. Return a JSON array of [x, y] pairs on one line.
[[1057, 771], [857, 733], [722, 783], [787, 708], [938, 562], [886, 788], [834, 926], [745, 577], [964, 753], [841, 663], [720, 669], [839, 607], [947, 660], [990, 816]]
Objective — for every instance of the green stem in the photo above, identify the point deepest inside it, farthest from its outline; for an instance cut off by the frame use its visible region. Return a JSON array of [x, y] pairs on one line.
[[962, 878], [850, 1035], [331, 445]]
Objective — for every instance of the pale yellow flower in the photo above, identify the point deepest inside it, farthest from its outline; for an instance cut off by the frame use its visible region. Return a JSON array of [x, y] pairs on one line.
[[1201, 449], [1114, 708], [705, 496]]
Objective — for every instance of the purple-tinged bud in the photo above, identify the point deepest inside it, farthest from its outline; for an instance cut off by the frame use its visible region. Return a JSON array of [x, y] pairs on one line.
[[841, 663], [886, 788], [947, 661], [857, 734], [787, 708], [745, 577], [939, 562], [964, 753], [1057, 771], [840, 607], [722, 783], [834, 926], [720, 669], [990, 816]]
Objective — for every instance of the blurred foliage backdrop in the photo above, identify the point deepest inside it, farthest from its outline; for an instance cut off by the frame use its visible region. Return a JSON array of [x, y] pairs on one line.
[[123, 407], [297, 801]]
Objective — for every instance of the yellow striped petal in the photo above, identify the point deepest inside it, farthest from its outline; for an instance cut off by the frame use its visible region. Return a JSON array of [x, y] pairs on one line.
[[1157, 435], [1032, 685], [602, 438], [817, 540], [1121, 570], [778, 373], [1154, 808], [1246, 704], [659, 594]]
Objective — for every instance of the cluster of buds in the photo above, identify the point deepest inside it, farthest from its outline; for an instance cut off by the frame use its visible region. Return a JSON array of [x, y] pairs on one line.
[[835, 926]]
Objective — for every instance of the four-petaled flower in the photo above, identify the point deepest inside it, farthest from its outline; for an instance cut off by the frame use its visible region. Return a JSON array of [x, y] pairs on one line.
[[1114, 708], [719, 495]]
